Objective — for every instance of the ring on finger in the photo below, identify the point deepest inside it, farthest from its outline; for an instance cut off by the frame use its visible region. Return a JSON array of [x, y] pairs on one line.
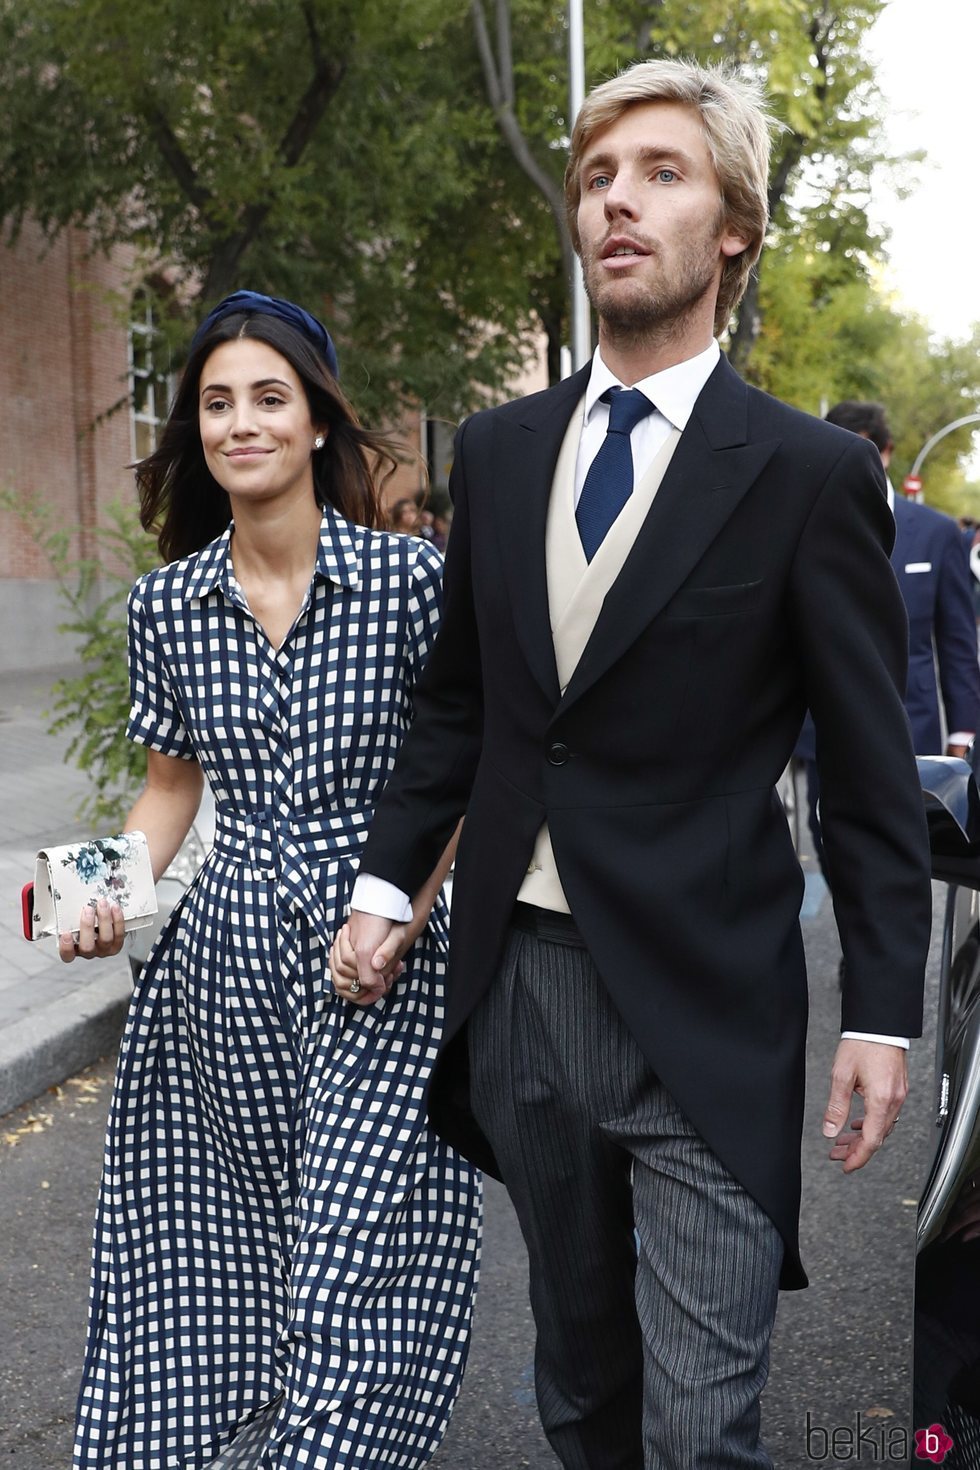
[[354, 986]]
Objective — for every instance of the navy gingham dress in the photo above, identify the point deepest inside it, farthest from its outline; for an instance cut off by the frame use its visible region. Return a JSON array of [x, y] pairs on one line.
[[285, 1254]]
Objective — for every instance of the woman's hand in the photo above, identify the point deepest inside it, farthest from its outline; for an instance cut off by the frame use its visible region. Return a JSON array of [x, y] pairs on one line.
[[386, 965], [101, 931], [164, 811]]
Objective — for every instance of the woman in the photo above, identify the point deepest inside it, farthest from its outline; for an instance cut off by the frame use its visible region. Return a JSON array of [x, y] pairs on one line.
[[406, 518], [285, 1255]]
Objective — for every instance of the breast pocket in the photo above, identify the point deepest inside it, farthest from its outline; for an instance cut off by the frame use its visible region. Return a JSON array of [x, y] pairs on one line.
[[714, 602], [919, 591]]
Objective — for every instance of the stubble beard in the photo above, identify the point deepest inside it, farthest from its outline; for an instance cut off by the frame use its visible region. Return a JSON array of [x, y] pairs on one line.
[[652, 312]]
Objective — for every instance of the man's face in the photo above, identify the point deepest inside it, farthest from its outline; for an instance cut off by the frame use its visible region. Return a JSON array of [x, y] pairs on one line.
[[653, 235]]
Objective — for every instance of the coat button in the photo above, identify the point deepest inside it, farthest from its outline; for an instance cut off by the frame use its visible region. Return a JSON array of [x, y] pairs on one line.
[[558, 754]]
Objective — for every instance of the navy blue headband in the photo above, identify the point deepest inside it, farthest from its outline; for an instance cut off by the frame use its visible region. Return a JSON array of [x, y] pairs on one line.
[[252, 303]]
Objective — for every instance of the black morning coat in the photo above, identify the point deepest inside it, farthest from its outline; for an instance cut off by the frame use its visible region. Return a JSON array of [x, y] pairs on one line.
[[758, 584]]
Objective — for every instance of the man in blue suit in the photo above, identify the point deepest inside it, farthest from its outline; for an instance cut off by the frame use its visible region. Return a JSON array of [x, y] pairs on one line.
[[930, 562]]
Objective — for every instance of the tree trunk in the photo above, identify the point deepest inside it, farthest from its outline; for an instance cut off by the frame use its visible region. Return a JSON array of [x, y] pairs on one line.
[[498, 75], [224, 267], [553, 323], [746, 332]]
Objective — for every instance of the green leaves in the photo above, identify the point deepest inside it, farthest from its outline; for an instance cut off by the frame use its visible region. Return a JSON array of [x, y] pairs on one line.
[[93, 705], [346, 153]]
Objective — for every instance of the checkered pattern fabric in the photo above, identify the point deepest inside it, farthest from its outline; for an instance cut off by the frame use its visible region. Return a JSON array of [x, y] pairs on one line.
[[285, 1255]]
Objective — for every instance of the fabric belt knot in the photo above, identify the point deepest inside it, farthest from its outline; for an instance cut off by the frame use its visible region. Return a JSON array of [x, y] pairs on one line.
[[286, 849], [609, 482]]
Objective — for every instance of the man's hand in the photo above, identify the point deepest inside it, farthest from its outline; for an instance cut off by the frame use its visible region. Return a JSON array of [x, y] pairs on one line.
[[878, 1073], [365, 956]]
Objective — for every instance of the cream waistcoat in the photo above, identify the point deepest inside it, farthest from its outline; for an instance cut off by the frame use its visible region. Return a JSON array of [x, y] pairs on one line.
[[576, 590]]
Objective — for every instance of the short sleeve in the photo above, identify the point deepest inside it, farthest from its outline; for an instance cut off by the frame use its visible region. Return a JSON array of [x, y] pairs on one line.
[[154, 719], [424, 609]]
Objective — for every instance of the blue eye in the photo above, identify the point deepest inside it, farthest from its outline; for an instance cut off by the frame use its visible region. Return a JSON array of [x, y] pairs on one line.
[[601, 181], [666, 175]]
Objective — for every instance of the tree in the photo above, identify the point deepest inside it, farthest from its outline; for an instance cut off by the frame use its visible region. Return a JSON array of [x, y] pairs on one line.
[[810, 58], [92, 704], [550, 287], [925, 385], [825, 339], [306, 147], [821, 85], [401, 166]]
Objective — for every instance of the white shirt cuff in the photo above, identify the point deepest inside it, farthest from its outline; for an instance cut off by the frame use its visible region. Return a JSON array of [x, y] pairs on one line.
[[901, 1041], [373, 895], [958, 737], [377, 896]]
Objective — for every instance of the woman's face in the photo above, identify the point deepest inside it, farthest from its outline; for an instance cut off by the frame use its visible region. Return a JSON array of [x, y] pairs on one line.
[[406, 517], [255, 423]]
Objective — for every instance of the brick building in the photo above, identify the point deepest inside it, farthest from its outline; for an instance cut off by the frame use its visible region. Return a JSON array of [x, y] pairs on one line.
[[63, 366], [83, 401]]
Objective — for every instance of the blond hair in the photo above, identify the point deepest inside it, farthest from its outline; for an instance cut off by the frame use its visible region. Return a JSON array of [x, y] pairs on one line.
[[736, 125]]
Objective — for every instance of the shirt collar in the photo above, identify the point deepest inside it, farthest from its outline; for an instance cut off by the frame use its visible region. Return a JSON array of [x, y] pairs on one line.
[[211, 567], [674, 390], [337, 558]]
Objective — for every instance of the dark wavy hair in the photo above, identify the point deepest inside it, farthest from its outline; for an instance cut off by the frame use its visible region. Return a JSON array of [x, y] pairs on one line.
[[182, 502]]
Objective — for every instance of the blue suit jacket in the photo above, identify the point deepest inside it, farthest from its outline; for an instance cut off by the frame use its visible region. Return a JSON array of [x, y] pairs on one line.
[[934, 575], [930, 560]]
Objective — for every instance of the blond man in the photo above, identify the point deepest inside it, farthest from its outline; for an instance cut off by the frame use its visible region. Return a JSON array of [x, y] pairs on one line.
[[611, 701]]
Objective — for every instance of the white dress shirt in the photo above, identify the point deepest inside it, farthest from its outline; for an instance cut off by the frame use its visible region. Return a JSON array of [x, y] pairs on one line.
[[674, 392]]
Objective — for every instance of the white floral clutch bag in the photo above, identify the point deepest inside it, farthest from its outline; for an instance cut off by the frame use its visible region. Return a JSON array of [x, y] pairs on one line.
[[67, 878]]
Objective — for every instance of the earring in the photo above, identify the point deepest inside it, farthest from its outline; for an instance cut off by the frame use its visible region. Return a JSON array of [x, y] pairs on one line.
[[319, 441]]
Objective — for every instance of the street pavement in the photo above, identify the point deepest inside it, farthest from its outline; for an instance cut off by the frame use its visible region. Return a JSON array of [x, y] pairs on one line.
[[840, 1350]]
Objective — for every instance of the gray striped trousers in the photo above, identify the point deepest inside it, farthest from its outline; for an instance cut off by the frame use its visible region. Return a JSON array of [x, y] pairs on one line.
[[653, 1273]]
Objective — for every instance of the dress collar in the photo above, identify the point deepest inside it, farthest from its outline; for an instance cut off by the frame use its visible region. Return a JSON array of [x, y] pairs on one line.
[[337, 558]]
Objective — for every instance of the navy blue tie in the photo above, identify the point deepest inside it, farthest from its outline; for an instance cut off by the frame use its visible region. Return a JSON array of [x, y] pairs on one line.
[[609, 483]]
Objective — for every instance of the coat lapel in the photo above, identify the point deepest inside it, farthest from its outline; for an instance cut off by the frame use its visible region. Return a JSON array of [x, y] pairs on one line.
[[530, 439], [712, 468]]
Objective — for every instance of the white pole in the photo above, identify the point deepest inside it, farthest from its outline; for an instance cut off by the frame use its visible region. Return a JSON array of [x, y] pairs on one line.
[[970, 418], [581, 312]]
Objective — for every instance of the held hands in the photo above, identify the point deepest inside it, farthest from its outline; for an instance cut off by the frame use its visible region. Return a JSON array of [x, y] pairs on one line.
[[365, 960], [878, 1073], [101, 931]]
